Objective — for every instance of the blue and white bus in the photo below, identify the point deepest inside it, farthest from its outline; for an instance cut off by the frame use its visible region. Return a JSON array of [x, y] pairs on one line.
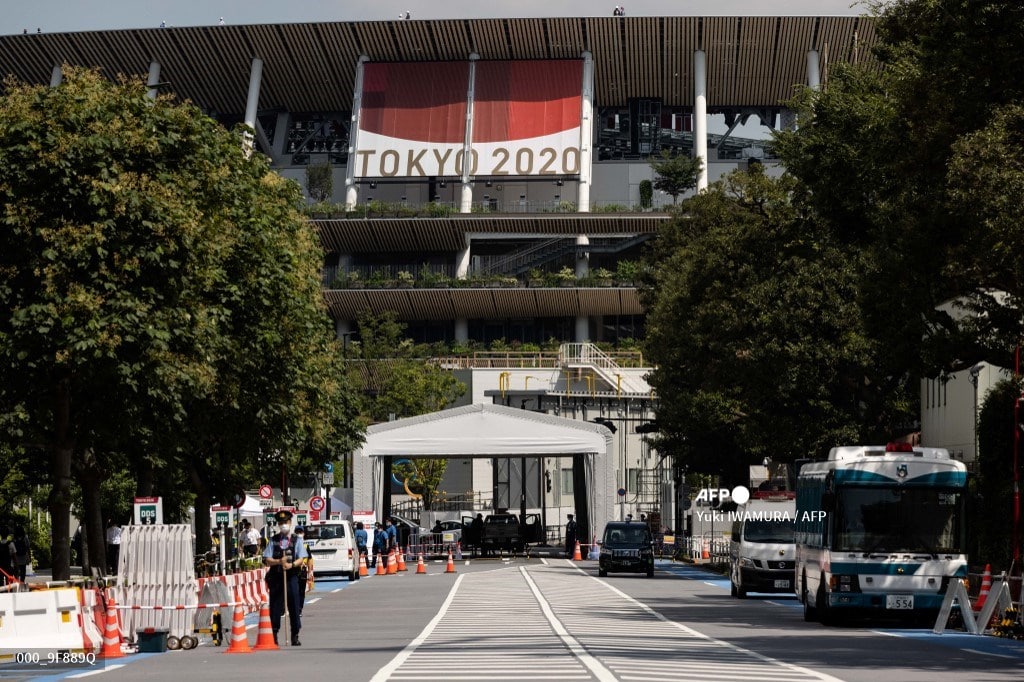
[[880, 530]]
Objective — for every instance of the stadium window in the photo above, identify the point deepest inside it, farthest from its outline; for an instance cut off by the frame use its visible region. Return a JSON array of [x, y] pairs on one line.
[[566, 478]]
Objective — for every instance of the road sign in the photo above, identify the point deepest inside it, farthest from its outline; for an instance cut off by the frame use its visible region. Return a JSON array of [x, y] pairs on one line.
[[317, 503], [622, 492], [266, 492], [314, 515], [329, 468], [328, 478], [221, 515], [301, 519], [149, 511], [266, 502]]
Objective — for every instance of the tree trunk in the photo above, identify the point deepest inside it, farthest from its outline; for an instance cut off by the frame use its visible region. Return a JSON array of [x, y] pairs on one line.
[[144, 486], [60, 476], [201, 515], [92, 515]]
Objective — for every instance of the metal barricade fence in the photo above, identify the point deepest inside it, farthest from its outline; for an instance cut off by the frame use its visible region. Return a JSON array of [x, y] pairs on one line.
[[431, 544]]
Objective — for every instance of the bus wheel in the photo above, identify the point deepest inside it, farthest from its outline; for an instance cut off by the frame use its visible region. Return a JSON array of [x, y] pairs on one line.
[[810, 613]]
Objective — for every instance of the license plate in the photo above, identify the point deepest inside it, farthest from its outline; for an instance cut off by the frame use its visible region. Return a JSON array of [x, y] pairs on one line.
[[781, 583], [899, 601]]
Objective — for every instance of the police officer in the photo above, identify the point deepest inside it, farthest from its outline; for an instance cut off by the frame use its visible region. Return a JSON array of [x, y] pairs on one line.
[[283, 554]]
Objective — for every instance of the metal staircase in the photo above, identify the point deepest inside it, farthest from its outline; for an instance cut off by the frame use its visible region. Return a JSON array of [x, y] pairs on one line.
[[546, 251], [588, 356]]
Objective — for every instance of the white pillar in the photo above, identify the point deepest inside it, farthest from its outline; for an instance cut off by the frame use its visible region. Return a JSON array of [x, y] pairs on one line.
[[56, 76], [700, 117], [153, 80], [252, 104], [813, 70], [466, 200], [582, 256], [462, 260], [582, 329], [461, 329], [586, 135], [351, 189]]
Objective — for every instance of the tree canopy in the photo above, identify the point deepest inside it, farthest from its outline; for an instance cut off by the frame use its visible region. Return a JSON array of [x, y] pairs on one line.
[[161, 295], [675, 174]]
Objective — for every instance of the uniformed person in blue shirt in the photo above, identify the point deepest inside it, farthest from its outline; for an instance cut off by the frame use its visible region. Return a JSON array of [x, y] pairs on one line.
[[282, 555]]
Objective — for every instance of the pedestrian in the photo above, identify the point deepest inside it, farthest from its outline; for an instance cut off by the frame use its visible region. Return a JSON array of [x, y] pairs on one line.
[[380, 542], [76, 548], [6, 556], [250, 539], [570, 536], [22, 554], [361, 539], [389, 528], [304, 566], [113, 545], [283, 552], [476, 532]]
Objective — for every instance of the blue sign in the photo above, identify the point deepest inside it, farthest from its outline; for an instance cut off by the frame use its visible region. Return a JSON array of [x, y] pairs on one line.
[[329, 468], [622, 492]]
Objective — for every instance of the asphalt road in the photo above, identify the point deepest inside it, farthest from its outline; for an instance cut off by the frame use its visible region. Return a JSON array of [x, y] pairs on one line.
[[550, 619]]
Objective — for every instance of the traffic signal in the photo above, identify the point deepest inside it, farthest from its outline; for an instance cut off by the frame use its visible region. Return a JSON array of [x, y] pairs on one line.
[[547, 480]]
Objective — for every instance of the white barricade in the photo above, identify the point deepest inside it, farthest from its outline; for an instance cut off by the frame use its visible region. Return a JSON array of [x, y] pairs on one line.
[[48, 619], [156, 567]]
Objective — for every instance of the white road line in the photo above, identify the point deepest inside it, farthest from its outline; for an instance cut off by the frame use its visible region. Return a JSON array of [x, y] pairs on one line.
[[544, 561], [987, 653], [700, 635], [385, 672], [337, 590], [595, 666], [95, 672], [313, 601]]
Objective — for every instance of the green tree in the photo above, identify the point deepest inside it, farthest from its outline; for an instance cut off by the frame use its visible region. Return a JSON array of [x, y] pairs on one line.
[[142, 259], [320, 181], [646, 193], [675, 174], [755, 333], [423, 477], [990, 530]]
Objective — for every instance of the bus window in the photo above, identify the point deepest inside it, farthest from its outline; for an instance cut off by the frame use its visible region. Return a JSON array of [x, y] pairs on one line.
[[899, 519]]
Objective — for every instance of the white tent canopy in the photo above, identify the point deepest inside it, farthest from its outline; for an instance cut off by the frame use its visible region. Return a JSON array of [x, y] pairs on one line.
[[486, 430]]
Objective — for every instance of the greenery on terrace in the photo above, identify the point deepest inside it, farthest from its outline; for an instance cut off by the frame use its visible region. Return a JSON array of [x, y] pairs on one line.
[[432, 209]]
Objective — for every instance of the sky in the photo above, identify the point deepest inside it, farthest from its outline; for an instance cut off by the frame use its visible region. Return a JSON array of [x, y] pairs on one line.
[[58, 16]]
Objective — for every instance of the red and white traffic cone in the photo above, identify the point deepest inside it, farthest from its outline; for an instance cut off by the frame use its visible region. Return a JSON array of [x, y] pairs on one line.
[[111, 633], [265, 633], [420, 566], [392, 562], [986, 586], [451, 563], [401, 560], [576, 555], [363, 570], [239, 639], [380, 564]]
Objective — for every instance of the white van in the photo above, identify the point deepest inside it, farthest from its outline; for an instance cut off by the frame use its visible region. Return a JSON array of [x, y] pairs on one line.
[[762, 551], [332, 544]]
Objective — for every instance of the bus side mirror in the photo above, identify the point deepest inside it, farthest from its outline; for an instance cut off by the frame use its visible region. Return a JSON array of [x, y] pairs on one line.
[[828, 502]]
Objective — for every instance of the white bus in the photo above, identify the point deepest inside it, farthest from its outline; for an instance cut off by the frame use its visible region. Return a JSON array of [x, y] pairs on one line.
[[880, 530]]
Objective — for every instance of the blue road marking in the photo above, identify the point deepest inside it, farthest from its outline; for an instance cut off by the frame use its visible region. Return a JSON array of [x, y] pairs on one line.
[[984, 644]]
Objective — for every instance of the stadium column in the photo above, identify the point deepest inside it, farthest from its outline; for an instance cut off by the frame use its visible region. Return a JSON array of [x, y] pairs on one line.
[[462, 272], [153, 80], [351, 189], [813, 73], [582, 270], [586, 135], [56, 76], [252, 104], [466, 200], [700, 116]]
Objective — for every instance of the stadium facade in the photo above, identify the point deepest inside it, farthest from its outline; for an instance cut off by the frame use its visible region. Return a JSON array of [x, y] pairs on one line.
[[488, 181]]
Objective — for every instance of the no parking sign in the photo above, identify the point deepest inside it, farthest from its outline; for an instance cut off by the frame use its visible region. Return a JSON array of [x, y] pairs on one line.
[[317, 503]]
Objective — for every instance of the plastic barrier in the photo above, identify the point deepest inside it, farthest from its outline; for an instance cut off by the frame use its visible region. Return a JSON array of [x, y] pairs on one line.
[[45, 619]]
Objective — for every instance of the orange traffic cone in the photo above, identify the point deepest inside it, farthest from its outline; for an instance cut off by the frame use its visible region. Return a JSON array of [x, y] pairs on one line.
[[986, 585], [240, 640], [576, 556], [380, 564], [705, 552], [420, 566], [392, 562], [401, 561], [111, 633], [265, 634], [451, 563], [363, 571]]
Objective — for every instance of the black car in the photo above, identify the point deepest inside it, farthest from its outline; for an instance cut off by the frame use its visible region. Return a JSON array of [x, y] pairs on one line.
[[627, 547]]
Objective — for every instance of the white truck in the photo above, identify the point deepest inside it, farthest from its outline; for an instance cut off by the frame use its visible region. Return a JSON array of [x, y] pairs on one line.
[[762, 550]]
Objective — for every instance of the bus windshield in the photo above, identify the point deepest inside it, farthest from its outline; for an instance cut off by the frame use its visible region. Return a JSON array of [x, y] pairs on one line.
[[899, 520], [769, 530]]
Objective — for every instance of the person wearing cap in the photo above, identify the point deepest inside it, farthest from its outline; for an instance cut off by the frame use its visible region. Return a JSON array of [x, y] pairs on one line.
[[283, 556], [570, 536]]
